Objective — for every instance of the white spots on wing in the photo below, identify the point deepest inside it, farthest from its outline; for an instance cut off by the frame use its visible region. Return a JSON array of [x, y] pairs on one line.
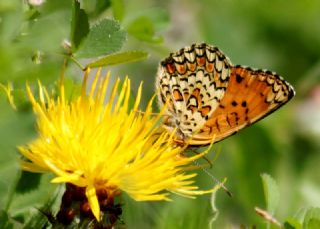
[[199, 79], [192, 101], [183, 86], [187, 127], [192, 80], [262, 77], [225, 73], [200, 51], [219, 64], [210, 55], [218, 93], [270, 97], [190, 57], [280, 96], [179, 58], [270, 80]]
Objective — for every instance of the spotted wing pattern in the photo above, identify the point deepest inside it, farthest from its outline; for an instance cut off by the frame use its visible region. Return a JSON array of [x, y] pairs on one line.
[[192, 82], [210, 98], [251, 95]]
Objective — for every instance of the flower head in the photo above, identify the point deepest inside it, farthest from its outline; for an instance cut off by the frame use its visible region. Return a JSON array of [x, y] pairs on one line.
[[101, 145]]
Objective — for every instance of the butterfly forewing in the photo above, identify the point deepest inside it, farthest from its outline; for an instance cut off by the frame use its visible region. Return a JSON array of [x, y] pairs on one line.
[[209, 98], [250, 96]]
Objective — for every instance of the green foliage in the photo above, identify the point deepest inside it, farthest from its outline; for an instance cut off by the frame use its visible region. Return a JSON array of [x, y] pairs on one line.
[[118, 8], [292, 223], [271, 192], [143, 29], [307, 219], [118, 58], [105, 37], [5, 222], [79, 25], [144, 25], [312, 219], [284, 37]]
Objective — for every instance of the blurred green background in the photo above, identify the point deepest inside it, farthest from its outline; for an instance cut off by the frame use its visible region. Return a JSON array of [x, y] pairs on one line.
[[280, 36]]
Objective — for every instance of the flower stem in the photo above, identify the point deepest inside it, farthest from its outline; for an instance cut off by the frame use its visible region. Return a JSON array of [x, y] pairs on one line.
[[77, 62]]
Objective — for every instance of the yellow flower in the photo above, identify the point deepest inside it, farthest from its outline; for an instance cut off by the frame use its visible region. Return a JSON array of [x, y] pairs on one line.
[[100, 144]]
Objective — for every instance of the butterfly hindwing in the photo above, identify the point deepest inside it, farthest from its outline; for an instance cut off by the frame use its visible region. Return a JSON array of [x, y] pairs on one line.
[[250, 96]]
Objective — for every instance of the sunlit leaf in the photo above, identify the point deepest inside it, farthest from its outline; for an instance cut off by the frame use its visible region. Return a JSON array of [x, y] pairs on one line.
[[312, 219], [119, 58], [118, 9], [104, 38], [292, 223], [271, 192]]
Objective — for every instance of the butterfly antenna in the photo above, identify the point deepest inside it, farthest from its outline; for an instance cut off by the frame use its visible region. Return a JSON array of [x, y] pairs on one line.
[[154, 114], [214, 178], [204, 157]]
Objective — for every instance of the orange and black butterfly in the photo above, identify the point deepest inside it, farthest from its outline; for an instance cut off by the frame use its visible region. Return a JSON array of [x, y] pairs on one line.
[[210, 99]]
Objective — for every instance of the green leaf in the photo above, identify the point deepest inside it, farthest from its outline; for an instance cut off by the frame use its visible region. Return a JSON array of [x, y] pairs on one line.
[[313, 224], [28, 182], [79, 25], [45, 214], [119, 58], [117, 9], [21, 204], [292, 223], [104, 38], [16, 128], [4, 220], [312, 219], [271, 192], [143, 29], [300, 214]]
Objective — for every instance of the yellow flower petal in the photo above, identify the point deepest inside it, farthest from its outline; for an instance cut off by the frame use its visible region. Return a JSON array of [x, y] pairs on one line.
[[93, 201]]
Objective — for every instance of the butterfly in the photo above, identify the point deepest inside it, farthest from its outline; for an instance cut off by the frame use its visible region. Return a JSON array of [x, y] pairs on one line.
[[209, 99]]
